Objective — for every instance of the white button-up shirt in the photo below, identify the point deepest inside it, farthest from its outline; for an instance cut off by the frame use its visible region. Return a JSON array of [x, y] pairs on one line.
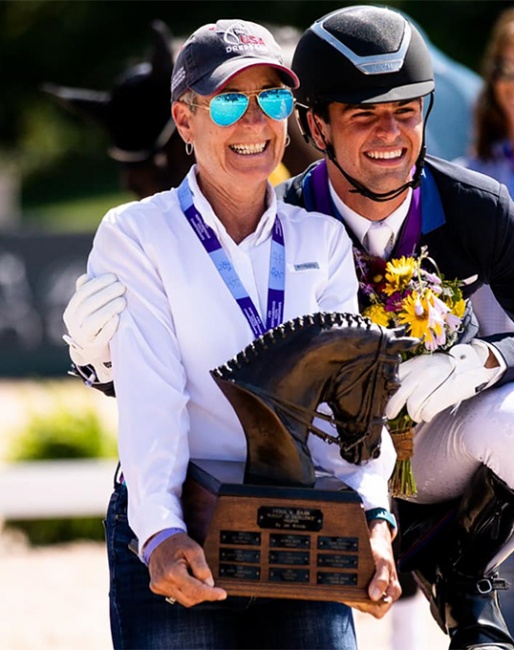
[[181, 322]]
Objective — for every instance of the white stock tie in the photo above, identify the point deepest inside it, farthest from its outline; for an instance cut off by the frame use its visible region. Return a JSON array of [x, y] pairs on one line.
[[377, 238]]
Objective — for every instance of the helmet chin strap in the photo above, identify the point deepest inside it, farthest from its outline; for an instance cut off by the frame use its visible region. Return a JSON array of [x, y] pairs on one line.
[[392, 194]]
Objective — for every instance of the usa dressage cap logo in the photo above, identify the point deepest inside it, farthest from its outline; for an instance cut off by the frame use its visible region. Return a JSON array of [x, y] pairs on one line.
[[215, 53], [239, 39]]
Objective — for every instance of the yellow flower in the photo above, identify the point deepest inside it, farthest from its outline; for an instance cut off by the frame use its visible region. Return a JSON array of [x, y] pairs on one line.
[[399, 272], [378, 314], [458, 308], [415, 314]]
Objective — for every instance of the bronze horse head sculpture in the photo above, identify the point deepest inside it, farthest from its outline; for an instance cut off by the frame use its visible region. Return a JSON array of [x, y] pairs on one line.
[[277, 382]]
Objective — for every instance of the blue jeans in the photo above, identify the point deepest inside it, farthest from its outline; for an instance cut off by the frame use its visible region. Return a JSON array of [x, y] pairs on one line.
[[142, 620]]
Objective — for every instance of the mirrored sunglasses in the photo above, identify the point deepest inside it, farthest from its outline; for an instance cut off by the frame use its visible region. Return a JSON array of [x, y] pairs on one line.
[[227, 108]]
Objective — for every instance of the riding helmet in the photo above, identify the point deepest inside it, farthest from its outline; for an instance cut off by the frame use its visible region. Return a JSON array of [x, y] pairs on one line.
[[362, 54]]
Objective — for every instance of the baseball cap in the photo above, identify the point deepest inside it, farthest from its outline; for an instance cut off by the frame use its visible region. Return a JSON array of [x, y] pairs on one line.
[[215, 53]]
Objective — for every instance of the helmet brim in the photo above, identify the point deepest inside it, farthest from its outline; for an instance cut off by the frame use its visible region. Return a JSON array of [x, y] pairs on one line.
[[381, 95]]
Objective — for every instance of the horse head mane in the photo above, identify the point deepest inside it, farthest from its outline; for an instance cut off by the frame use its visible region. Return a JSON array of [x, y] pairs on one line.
[[318, 321]]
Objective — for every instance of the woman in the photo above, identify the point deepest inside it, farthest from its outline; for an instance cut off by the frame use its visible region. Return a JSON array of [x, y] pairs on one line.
[[494, 144], [231, 96]]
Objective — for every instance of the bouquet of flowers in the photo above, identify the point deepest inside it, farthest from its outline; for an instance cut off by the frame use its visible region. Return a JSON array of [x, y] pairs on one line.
[[409, 292]]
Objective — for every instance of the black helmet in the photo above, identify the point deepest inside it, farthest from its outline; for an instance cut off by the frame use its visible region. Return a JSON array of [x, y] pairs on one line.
[[362, 54]]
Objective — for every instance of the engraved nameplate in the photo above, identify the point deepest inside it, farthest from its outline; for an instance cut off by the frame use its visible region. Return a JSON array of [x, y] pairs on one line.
[[341, 579], [338, 543], [288, 575], [240, 537], [289, 557], [277, 540], [338, 561], [290, 518], [239, 555], [239, 571]]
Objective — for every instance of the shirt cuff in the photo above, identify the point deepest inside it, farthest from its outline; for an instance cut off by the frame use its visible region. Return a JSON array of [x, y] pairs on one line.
[[156, 541], [492, 375]]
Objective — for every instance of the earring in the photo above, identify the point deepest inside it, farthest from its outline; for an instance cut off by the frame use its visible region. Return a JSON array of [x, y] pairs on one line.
[[189, 148], [288, 140]]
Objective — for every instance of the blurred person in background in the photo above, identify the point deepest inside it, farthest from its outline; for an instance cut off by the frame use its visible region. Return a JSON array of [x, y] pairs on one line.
[[493, 146]]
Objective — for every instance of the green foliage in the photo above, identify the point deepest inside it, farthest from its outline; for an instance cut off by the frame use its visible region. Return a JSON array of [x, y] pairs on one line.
[[74, 215], [62, 434], [43, 532]]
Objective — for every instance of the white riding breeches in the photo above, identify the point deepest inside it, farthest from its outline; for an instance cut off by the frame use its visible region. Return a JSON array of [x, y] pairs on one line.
[[449, 449]]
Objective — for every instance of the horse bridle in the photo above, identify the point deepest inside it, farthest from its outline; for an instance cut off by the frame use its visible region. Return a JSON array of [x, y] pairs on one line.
[[305, 416]]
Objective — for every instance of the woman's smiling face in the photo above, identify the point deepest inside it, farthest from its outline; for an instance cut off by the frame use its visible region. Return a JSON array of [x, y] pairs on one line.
[[245, 152]]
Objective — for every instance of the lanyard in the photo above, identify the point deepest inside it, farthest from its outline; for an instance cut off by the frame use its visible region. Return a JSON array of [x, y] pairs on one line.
[[317, 197], [316, 194], [410, 232], [276, 280]]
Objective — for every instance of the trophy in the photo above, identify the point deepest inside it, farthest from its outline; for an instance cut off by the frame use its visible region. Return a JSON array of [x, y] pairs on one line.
[[276, 526]]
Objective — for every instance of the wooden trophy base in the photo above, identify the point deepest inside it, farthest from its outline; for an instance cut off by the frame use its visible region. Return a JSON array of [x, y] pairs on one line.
[[279, 542]]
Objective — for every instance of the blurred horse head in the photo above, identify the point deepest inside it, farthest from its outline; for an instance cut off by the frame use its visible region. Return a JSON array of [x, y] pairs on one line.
[[136, 115]]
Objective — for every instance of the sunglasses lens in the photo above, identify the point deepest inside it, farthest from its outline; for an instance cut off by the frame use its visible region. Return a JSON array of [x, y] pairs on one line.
[[277, 103], [227, 108]]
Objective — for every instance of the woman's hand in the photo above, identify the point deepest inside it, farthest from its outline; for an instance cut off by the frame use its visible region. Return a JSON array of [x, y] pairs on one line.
[[384, 588], [178, 570]]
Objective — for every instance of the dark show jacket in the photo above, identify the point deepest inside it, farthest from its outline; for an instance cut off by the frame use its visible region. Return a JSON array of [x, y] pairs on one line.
[[468, 227]]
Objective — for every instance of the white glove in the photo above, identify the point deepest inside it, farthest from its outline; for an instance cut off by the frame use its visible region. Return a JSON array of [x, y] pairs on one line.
[[92, 318], [430, 383]]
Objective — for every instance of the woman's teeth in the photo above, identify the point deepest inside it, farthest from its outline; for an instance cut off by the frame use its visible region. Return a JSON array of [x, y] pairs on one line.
[[248, 149]]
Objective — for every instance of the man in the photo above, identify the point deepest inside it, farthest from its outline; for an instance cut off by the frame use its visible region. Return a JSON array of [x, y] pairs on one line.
[[364, 72]]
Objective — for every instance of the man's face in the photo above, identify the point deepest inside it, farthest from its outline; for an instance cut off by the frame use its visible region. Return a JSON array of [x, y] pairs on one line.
[[377, 144]]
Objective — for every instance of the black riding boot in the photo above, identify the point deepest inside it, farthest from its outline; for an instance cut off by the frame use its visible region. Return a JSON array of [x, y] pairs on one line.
[[457, 569]]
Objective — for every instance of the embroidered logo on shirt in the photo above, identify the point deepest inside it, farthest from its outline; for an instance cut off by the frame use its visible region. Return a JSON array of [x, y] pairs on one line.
[[306, 266]]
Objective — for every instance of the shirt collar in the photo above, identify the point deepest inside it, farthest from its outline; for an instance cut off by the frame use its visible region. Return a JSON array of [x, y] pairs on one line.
[[359, 225], [264, 227]]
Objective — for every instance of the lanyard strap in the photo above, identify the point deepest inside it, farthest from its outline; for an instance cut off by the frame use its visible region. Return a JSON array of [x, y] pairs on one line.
[[410, 232], [276, 279], [316, 194]]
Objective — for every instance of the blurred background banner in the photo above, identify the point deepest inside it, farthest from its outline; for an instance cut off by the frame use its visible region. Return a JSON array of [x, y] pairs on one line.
[[37, 279]]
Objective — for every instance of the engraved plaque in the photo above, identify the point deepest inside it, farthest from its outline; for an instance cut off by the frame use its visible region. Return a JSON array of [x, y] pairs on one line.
[[240, 572], [328, 578], [289, 557], [290, 518], [278, 540], [338, 543], [240, 537], [240, 555], [288, 575], [338, 561]]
